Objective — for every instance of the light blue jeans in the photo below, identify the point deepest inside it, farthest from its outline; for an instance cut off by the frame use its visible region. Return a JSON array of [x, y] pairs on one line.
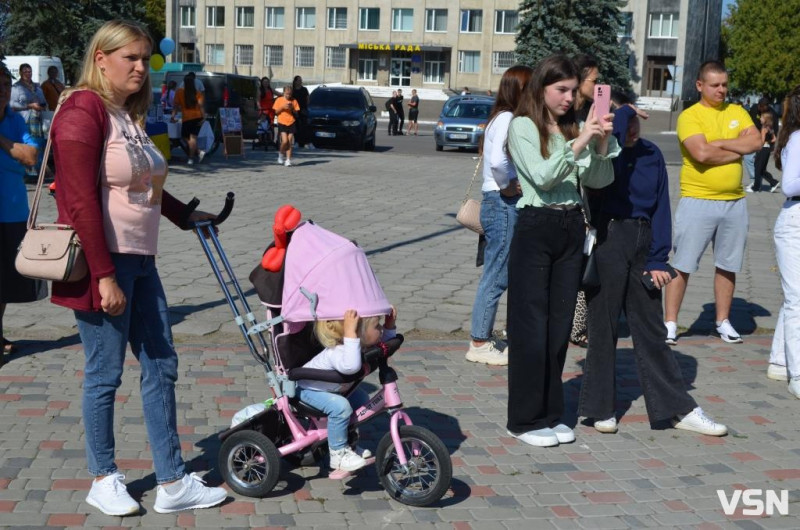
[[498, 218], [749, 162], [338, 409], [786, 342], [145, 326]]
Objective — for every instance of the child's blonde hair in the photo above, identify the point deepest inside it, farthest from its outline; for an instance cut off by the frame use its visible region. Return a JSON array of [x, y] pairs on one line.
[[330, 333]]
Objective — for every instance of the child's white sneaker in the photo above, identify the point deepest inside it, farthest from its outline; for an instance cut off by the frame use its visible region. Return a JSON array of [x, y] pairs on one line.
[[111, 497], [288, 163], [281, 159], [193, 494], [346, 459]]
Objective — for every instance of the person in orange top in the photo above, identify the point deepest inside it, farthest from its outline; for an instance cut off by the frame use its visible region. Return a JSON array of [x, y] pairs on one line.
[[287, 109], [189, 102]]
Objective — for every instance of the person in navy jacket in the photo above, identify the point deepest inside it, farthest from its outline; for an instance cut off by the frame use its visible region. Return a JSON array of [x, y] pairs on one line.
[[633, 219]]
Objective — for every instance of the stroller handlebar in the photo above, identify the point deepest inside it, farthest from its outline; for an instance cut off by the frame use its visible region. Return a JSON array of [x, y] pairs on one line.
[[218, 220]]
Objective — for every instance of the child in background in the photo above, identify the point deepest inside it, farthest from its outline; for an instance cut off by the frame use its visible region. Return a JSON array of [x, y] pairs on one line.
[[343, 340], [287, 110], [762, 157]]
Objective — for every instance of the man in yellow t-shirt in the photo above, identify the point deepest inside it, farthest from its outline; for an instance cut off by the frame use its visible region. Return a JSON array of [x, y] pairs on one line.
[[714, 135]]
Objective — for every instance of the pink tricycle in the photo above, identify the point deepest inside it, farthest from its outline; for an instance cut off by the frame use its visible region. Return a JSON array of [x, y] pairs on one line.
[[316, 269]]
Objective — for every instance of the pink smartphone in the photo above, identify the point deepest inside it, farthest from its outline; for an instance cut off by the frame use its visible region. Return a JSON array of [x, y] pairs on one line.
[[602, 100]]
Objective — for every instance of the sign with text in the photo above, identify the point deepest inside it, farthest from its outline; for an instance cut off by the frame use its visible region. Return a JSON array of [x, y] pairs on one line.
[[230, 120]]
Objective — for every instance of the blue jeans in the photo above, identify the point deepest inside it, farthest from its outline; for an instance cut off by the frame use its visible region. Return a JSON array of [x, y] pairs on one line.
[[498, 218], [749, 163], [338, 409], [145, 326]]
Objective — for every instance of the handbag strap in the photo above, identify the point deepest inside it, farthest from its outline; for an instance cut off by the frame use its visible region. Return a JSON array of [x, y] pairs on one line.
[[472, 181], [46, 157]]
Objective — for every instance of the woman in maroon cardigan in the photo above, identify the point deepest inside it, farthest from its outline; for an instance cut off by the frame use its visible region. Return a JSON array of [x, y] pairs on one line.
[[110, 179]]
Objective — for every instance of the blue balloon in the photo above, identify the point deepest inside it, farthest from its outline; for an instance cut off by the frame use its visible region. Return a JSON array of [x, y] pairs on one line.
[[167, 45]]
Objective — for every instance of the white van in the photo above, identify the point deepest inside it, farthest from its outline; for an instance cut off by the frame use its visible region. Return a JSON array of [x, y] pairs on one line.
[[39, 64]]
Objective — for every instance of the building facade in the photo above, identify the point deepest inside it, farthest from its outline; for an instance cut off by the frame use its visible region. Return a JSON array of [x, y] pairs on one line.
[[428, 44]]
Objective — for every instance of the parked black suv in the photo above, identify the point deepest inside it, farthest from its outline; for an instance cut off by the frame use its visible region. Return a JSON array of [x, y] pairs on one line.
[[342, 115]]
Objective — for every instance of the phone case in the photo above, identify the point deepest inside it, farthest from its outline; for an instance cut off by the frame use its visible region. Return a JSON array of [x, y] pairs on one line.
[[602, 100]]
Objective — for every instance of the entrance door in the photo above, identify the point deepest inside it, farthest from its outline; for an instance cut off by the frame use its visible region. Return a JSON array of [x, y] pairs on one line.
[[400, 72], [657, 77]]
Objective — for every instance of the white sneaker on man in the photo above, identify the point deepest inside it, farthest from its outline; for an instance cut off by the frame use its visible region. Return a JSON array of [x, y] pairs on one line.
[[608, 426], [794, 387], [777, 372], [111, 497], [487, 353], [697, 421], [727, 333], [539, 438], [281, 160], [672, 332], [346, 459], [193, 494]]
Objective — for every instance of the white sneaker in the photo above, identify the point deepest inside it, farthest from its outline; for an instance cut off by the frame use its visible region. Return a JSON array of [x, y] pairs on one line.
[[200, 155], [538, 438], [749, 189], [776, 187], [288, 162], [346, 460], [672, 332], [697, 421], [487, 354], [564, 434], [363, 453], [111, 497], [794, 388], [777, 372], [192, 495], [608, 426], [190, 161], [281, 159], [727, 333]]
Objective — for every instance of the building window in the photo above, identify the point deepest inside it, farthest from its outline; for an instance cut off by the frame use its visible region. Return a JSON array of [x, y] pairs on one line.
[[436, 20], [337, 18], [471, 20], [626, 25], [215, 54], [663, 25], [304, 56], [335, 57], [245, 17], [306, 18], [215, 16], [506, 21], [469, 62], [369, 18], [273, 55], [402, 19], [501, 61], [243, 55], [367, 69], [434, 68], [273, 18], [188, 16]]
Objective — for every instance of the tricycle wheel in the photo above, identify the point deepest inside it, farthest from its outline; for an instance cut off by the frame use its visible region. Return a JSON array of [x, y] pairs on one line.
[[428, 470], [249, 462]]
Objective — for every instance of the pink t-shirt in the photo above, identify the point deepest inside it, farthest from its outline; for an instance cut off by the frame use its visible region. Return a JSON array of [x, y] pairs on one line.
[[133, 176]]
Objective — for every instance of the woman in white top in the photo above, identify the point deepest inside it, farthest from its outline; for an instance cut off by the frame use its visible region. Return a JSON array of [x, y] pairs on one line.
[[501, 192], [785, 356]]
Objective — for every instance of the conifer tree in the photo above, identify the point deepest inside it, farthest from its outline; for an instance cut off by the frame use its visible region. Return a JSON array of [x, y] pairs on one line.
[[575, 27]]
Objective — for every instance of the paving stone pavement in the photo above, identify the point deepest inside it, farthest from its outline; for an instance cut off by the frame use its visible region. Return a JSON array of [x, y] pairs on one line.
[[401, 209]]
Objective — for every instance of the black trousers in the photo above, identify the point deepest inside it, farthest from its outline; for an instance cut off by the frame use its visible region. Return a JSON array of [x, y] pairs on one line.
[[401, 119], [544, 269], [621, 257], [392, 123], [760, 167]]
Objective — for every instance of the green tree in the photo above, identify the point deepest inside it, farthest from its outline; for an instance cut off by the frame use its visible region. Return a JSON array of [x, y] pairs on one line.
[[761, 44], [575, 27], [61, 28], [156, 19]]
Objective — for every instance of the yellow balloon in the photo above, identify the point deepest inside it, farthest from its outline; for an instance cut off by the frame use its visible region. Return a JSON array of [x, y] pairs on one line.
[[156, 62]]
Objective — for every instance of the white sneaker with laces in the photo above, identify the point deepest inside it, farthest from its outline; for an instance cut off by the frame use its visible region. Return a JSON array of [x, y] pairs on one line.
[[564, 434], [111, 497], [346, 459], [608, 426], [538, 438], [193, 494], [777, 372], [288, 162], [487, 353], [280, 159], [794, 387], [727, 333], [672, 332], [697, 421]]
